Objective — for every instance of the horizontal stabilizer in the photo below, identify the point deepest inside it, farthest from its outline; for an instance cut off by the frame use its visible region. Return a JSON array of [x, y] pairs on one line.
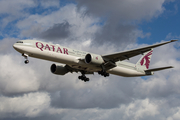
[[158, 69]]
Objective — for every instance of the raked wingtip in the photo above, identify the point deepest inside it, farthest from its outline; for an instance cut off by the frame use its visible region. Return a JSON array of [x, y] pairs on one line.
[[173, 40]]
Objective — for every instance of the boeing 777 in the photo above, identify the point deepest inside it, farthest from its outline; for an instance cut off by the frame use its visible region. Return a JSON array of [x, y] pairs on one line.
[[89, 63]]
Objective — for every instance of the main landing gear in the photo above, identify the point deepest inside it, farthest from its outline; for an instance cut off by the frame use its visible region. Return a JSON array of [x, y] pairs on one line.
[[83, 77], [103, 73], [26, 57]]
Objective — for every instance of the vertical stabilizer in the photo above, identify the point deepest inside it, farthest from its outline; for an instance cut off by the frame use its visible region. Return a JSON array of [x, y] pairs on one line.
[[144, 61]]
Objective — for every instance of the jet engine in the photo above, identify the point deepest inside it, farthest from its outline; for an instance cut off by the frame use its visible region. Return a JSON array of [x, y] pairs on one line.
[[59, 69], [93, 59]]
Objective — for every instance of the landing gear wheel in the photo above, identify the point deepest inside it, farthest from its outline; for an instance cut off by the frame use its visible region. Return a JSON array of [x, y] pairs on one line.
[[87, 79], [105, 74], [26, 57], [26, 61], [83, 78]]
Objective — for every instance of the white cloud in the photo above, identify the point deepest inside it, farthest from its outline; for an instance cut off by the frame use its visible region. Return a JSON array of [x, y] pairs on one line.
[[124, 9], [136, 110], [50, 3], [81, 26], [15, 78], [176, 115], [14, 7], [28, 105], [141, 108], [12, 10]]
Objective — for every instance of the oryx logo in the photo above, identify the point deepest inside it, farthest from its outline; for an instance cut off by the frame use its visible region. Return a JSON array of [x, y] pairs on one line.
[[146, 59]]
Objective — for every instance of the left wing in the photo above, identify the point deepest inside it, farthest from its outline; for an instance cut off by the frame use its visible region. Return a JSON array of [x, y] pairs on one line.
[[131, 53], [71, 69]]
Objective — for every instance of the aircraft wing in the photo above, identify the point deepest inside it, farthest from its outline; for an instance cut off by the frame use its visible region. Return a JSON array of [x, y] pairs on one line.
[[71, 69], [131, 53]]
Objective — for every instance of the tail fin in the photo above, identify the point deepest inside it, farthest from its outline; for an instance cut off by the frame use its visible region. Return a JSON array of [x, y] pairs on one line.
[[144, 61]]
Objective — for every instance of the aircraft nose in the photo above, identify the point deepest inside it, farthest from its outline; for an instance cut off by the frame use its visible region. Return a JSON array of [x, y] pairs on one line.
[[15, 46]]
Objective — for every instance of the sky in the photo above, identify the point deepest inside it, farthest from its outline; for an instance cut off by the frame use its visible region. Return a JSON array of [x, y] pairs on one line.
[[98, 26]]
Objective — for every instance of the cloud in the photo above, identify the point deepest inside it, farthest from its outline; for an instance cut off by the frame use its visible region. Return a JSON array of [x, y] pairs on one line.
[[106, 29], [58, 31], [15, 78], [48, 3], [12, 10], [29, 105], [118, 35], [120, 18], [124, 10], [6, 45], [14, 7], [66, 24]]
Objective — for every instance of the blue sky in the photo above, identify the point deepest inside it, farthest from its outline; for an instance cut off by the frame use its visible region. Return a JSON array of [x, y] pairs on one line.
[[161, 26], [98, 26]]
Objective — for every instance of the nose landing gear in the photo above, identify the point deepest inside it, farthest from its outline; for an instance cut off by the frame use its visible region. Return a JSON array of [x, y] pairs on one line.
[[26, 57], [26, 61]]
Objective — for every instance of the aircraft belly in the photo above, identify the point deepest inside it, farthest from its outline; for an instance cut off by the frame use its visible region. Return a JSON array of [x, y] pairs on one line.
[[75, 63], [121, 71], [50, 55], [57, 57], [60, 58]]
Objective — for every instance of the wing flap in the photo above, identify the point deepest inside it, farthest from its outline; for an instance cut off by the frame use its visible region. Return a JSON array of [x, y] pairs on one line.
[[78, 69]]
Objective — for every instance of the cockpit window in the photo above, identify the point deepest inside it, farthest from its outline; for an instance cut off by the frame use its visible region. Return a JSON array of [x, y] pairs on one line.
[[19, 42]]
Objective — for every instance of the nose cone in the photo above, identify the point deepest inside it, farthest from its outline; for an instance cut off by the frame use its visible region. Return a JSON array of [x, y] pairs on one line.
[[18, 48], [15, 46]]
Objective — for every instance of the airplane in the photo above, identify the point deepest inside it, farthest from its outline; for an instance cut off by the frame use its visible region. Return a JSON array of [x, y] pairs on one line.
[[89, 63]]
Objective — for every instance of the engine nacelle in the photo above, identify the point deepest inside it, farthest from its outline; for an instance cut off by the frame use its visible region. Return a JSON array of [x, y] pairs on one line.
[[59, 69], [93, 59]]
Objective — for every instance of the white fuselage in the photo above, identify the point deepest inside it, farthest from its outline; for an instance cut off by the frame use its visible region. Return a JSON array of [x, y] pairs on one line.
[[71, 57]]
